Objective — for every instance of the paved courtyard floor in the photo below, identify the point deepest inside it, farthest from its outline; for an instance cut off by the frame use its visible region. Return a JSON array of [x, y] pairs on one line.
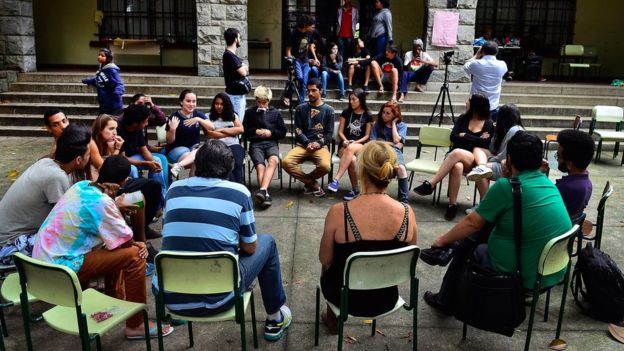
[[296, 221]]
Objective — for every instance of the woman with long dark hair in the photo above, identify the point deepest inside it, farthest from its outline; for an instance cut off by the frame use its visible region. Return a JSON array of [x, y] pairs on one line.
[[354, 130], [227, 128], [472, 131]]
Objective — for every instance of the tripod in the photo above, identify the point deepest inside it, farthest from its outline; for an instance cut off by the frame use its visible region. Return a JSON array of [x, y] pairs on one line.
[[290, 88], [444, 95]]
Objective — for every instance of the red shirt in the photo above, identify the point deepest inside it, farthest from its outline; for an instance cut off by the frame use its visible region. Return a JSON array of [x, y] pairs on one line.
[[345, 25]]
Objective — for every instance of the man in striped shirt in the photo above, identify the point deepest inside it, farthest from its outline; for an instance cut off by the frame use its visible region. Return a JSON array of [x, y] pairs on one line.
[[208, 213]]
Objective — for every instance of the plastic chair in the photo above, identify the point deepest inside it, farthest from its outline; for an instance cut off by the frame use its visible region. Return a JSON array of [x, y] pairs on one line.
[[429, 136], [335, 159], [10, 291], [248, 166], [571, 56], [58, 285], [375, 270], [552, 138], [555, 256], [202, 273], [597, 238], [608, 114]]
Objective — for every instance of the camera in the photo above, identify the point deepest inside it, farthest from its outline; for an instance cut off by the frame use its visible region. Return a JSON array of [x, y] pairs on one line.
[[289, 61], [447, 56]]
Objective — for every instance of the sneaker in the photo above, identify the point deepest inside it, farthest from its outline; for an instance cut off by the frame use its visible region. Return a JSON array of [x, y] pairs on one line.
[[424, 189], [470, 210], [323, 96], [365, 88], [351, 195], [308, 191], [433, 300], [267, 201], [260, 195], [349, 88], [478, 173], [274, 330], [437, 256], [342, 97], [451, 212], [333, 186], [175, 170]]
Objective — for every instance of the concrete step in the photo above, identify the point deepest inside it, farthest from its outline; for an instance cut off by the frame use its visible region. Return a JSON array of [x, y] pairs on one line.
[[167, 94]]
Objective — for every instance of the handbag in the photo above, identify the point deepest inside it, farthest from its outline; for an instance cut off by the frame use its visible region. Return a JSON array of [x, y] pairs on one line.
[[491, 300], [243, 85]]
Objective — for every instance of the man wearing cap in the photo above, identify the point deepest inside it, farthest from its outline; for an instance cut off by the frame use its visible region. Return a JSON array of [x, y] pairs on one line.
[[388, 65], [418, 66], [487, 75], [264, 127]]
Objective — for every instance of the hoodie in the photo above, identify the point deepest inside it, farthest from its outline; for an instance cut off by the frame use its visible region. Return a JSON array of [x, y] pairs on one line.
[[110, 88]]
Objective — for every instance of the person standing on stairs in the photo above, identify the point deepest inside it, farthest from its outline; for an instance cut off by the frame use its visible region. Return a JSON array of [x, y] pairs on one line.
[[110, 86], [234, 70]]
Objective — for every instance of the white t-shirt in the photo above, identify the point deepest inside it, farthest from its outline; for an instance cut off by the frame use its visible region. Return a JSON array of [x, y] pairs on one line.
[[413, 66], [487, 77], [30, 199]]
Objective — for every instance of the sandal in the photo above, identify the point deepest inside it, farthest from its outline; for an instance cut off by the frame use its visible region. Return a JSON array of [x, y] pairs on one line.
[[153, 333]]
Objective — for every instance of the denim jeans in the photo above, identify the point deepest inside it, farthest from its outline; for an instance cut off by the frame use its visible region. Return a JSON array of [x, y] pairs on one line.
[[157, 176], [177, 152], [265, 265], [302, 70], [239, 104], [165, 166], [239, 158], [421, 77], [494, 114], [345, 47], [379, 45], [330, 74]]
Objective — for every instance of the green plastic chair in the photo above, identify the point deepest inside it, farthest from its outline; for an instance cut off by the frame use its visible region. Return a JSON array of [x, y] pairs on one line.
[[429, 136], [202, 273], [376, 270], [10, 291], [58, 285], [608, 114], [555, 257], [335, 159]]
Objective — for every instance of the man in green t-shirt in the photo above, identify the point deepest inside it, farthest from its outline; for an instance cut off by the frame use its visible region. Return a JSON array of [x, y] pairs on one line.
[[544, 217]]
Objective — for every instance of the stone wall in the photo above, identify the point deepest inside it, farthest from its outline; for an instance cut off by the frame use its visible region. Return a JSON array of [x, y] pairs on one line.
[[463, 50], [6, 78], [17, 35], [213, 18]]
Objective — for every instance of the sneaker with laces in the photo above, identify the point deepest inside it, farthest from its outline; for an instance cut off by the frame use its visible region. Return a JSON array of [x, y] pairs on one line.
[[349, 88], [333, 186], [424, 189], [175, 170], [365, 88], [342, 97], [470, 210], [478, 173], [451, 212], [274, 330], [351, 195], [260, 195], [267, 201]]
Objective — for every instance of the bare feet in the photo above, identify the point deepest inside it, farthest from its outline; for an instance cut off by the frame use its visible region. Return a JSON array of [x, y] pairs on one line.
[[419, 88], [140, 330], [393, 97], [402, 98]]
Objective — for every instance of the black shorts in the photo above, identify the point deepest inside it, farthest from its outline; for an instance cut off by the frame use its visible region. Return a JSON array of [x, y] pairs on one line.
[[262, 150]]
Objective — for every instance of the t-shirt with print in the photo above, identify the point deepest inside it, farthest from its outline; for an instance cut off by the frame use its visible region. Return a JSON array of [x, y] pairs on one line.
[[355, 124], [415, 66], [544, 217], [84, 218], [133, 141], [31, 198], [220, 123], [186, 136], [299, 44]]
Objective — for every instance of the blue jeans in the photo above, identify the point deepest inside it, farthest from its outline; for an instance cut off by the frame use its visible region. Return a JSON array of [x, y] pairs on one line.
[[328, 74], [239, 158], [379, 45], [165, 166], [421, 77], [239, 103], [302, 70], [494, 114], [157, 176], [177, 152]]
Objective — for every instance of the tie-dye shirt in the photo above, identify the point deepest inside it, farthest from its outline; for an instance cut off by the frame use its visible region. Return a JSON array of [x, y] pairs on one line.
[[82, 219]]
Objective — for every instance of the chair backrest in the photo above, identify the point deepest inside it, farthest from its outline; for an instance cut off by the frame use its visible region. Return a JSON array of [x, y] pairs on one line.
[[608, 114], [572, 50], [606, 193], [556, 253], [197, 272], [435, 136], [336, 137], [161, 134], [52, 283], [380, 269]]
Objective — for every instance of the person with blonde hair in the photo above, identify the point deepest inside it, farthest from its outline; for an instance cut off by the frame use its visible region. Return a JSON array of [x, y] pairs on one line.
[[371, 222], [264, 127]]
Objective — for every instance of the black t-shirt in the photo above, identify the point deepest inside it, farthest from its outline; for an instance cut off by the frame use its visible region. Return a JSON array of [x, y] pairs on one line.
[[133, 141], [363, 53], [299, 44], [387, 64], [355, 124], [231, 63]]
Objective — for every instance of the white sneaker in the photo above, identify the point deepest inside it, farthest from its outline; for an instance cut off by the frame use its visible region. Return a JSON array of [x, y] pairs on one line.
[[470, 210], [479, 173], [175, 170]]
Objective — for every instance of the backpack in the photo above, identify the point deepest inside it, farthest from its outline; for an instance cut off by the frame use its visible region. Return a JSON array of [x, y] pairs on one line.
[[601, 285]]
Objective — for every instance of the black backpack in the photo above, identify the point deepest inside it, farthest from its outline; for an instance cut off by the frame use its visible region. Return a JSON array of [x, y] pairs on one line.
[[601, 285]]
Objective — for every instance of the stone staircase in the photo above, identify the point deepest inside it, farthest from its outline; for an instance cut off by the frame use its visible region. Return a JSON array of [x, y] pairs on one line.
[[545, 107]]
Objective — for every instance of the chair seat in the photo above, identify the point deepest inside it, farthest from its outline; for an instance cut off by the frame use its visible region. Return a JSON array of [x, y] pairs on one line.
[[423, 166], [63, 318], [579, 65], [223, 316], [610, 135], [399, 303], [11, 290], [335, 158]]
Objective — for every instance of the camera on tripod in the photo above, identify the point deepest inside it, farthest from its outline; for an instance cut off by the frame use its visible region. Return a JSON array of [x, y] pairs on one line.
[[447, 57]]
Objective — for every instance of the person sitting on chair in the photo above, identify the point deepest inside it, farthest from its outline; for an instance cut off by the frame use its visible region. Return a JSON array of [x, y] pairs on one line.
[[544, 217], [371, 222], [264, 127], [418, 67]]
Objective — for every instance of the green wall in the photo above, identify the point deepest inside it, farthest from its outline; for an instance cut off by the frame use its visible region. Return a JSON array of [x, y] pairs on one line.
[[599, 24], [264, 19], [64, 28], [407, 21]]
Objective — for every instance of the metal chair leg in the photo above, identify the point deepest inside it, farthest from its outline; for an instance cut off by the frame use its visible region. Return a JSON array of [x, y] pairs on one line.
[[316, 319], [546, 305], [190, 333], [253, 321], [373, 327], [148, 337], [527, 343]]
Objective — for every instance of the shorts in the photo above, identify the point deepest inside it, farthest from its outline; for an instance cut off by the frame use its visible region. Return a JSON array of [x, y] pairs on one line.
[[262, 150], [23, 243]]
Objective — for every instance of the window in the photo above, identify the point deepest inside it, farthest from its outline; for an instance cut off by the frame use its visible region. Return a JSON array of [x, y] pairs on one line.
[[552, 19], [170, 21]]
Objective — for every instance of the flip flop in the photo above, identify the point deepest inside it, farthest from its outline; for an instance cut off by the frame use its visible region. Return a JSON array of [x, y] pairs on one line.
[[153, 334]]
